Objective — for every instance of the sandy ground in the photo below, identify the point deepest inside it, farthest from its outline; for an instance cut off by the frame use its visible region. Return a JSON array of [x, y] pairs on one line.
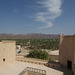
[[17, 67], [55, 52]]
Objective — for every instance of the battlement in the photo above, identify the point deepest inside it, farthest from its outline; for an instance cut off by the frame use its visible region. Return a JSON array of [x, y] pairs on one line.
[[8, 41]]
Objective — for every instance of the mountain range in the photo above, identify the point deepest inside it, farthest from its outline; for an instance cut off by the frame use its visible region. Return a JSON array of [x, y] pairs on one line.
[[29, 36]]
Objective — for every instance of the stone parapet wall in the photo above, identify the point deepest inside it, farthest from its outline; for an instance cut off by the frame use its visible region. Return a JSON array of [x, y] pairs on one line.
[[6, 41], [53, 65], [32, 61], [32, 71], [28, 58]]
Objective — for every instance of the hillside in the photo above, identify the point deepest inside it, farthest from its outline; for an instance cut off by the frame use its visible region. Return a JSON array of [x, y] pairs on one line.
[[29, 36]]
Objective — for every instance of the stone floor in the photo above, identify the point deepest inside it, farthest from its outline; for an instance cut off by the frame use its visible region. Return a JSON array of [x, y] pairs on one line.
[[17, 67]]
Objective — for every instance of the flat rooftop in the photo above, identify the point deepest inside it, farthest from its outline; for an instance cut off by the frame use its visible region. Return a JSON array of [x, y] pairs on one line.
[[17, 67]]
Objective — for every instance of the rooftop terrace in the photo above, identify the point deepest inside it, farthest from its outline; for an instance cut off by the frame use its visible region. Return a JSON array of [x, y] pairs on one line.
[[17, 67]]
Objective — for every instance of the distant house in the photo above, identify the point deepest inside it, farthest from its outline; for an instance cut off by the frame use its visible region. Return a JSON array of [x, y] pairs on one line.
[[67, 52], [7, 52], [18, 47]]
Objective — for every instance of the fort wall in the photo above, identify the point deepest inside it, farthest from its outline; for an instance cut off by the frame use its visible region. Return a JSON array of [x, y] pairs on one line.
[[7, 52], [67, 52]]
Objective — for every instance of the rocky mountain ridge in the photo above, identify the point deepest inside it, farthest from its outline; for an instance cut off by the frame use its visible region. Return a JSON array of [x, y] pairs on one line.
[[29, 36]]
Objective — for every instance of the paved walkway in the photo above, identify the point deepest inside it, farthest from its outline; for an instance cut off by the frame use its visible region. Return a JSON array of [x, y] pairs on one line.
[[17, 67]]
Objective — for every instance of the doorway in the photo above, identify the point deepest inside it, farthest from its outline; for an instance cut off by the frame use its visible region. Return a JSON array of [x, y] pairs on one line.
[[69, 64]]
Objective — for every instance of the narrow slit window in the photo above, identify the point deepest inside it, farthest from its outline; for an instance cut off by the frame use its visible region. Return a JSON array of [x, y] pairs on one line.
[[4, 59]]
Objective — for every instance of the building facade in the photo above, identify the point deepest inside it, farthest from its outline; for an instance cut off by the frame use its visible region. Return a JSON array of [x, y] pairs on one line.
[[7, 52], [67, 52]]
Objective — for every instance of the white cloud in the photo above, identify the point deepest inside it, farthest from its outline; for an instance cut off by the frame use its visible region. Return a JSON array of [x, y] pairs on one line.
[[53, 10], [49, 24]]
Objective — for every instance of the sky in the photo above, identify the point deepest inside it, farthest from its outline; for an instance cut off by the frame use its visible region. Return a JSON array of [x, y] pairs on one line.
[[37, 16]]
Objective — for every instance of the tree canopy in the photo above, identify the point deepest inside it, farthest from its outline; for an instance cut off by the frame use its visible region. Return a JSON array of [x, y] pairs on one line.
[[38, 54]]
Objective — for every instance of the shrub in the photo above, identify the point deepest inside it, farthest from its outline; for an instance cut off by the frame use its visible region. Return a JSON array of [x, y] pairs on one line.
[[51, 60], [38, 54]]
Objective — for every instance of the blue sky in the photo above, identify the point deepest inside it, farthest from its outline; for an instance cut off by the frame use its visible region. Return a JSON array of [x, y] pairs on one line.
[[37, 16]]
